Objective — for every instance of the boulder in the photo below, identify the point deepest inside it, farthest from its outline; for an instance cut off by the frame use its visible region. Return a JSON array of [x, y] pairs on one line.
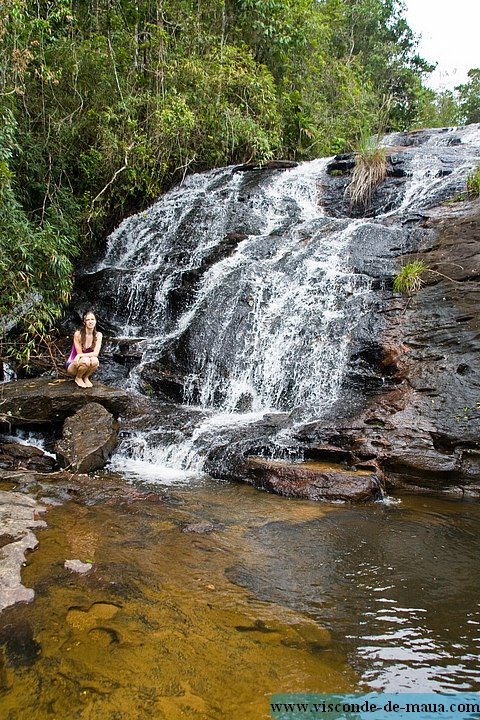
[[89, 437], [14, 456], [43, 400], [314, 481], [311, 480]]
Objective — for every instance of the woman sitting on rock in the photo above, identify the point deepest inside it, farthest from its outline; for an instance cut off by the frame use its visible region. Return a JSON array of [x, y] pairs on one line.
[[83, 359]]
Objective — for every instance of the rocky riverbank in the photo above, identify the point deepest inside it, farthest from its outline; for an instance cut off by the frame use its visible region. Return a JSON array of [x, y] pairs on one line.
[[79, 430], [407, 413], [421, 420]]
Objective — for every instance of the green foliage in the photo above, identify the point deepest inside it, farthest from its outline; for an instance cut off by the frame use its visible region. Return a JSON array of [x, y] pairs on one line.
[[106, 104], [449, 108], [469, 97], [438, 109], [35, 263], [409, 280], [375, 36], [369, 171], [473, 183]]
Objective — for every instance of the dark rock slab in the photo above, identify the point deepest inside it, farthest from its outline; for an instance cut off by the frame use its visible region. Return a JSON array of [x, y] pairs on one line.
[[313, 481], [14, 456], [41, 401], [89, 437], [270, 165], [329, 482], [387, 196]]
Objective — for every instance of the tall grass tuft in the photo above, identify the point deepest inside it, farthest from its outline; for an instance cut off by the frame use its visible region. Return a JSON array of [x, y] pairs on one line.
[[370, 158], [409, 280], [369, 171]]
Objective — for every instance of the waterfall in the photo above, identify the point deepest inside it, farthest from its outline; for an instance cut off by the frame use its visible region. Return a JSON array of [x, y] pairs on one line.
[[243, 295], [438, 165], [267, 326]]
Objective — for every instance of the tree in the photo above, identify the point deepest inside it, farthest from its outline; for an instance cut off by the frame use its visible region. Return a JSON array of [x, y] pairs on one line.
[[35, 263], [106, 103], [375, 36], [469, 97], [438, 109]]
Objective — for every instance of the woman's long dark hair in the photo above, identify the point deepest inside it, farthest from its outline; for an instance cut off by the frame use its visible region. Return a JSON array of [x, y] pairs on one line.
[[83, 332]]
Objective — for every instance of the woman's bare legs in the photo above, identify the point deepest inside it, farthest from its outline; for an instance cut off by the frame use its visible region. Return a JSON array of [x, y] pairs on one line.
[[78, 369], [90, 370]]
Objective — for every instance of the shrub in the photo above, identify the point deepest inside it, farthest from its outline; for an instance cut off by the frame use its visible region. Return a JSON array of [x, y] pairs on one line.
[[35, 262]]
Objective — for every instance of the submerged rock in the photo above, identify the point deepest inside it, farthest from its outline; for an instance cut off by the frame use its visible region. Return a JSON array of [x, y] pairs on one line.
[[19, 515], [199, 528]]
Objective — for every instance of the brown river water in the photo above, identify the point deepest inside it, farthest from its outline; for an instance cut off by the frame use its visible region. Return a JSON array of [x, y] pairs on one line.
[[203, 599]]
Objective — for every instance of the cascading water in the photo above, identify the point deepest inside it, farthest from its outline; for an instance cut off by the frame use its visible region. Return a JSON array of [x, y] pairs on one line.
[[438, 166], [243, 297], [267, 327], [271, 319]]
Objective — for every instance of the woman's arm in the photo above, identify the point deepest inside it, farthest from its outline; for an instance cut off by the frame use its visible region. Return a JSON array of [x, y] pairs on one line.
[[78, 345], [77, 341], [98, 345]]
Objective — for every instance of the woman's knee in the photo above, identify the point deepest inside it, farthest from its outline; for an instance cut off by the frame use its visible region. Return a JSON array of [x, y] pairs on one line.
[[72, 369]]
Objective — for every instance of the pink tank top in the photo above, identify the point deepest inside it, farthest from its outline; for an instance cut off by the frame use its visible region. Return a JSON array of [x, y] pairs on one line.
[[73, 354]]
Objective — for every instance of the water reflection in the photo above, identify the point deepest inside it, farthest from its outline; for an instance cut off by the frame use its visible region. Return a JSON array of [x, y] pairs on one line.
[[396, 585], [204, 601]]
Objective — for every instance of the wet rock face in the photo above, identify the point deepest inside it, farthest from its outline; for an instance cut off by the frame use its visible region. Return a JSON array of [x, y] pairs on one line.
[[309, 481], [14, 456], [441, 329], [386, 197], [409, 388], [43, 400], [389, 195], [423, 427], [89, 437]]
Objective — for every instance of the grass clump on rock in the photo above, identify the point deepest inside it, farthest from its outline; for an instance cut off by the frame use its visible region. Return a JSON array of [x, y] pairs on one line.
[[369, 171], [409, 280]]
